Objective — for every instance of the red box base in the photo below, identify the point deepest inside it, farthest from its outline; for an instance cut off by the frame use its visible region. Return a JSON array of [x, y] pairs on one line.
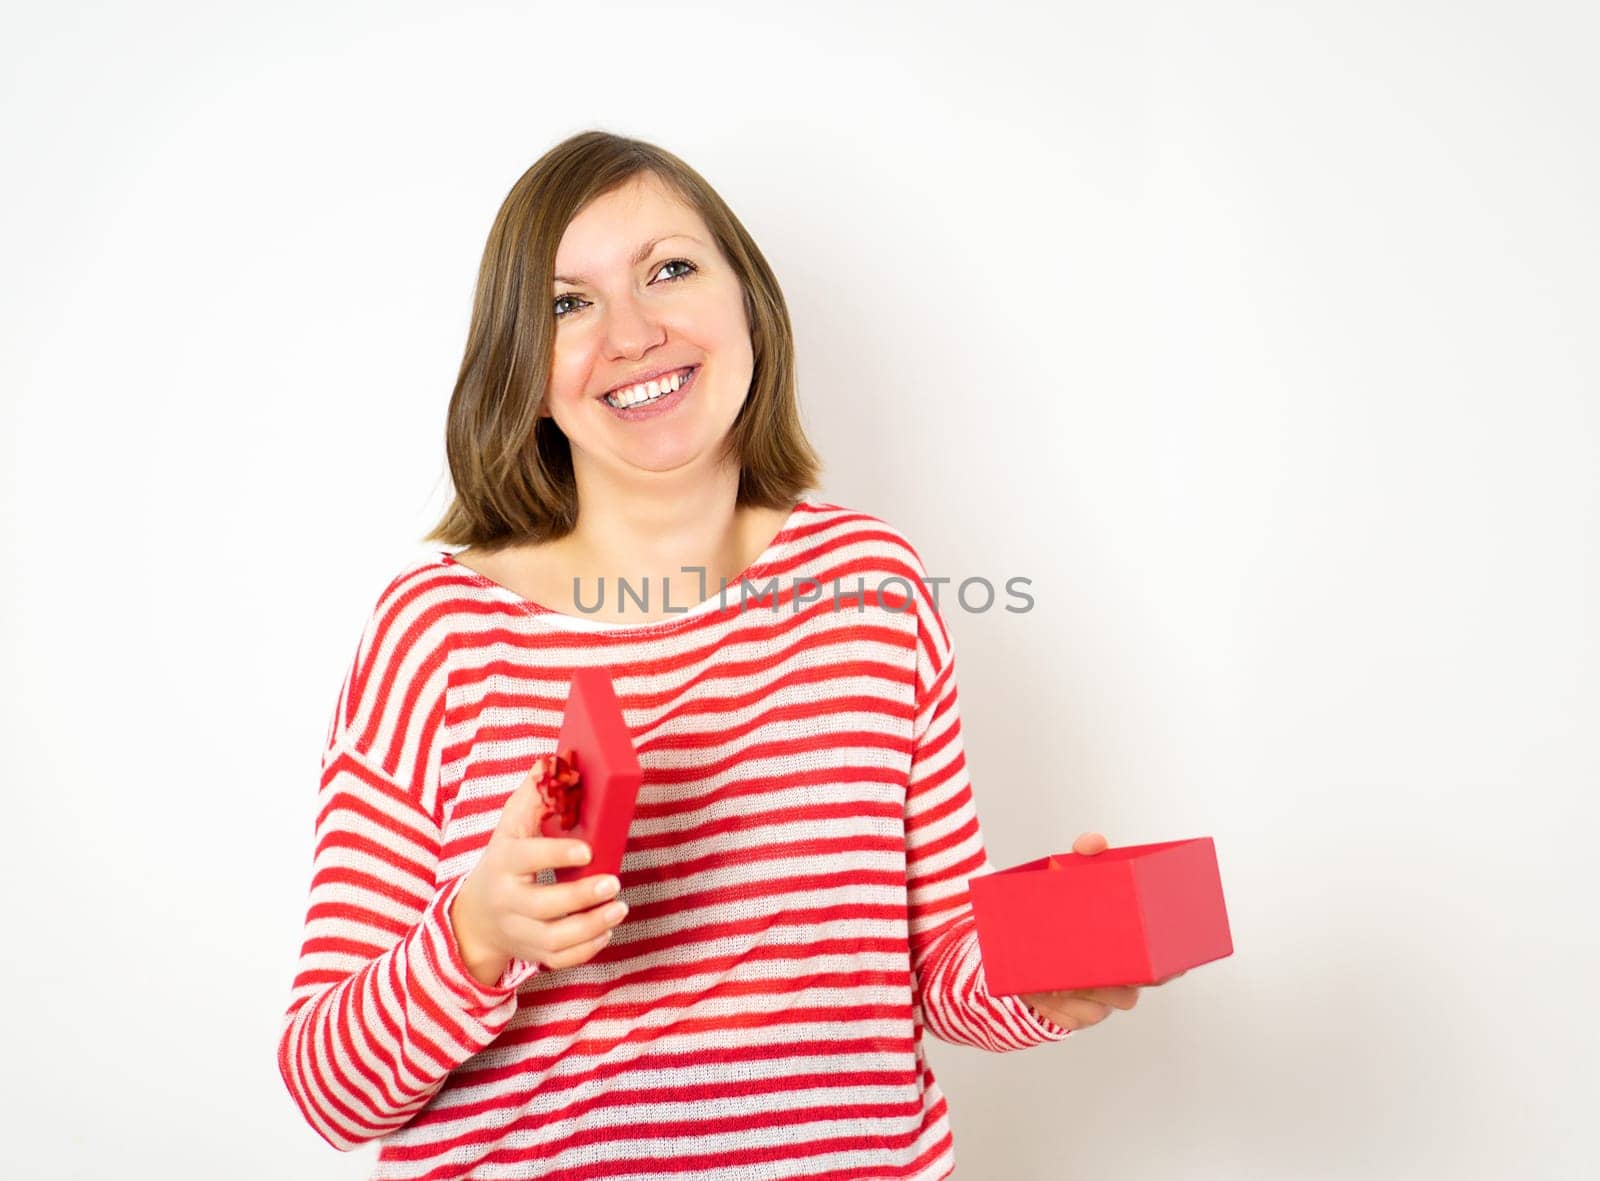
[[1131, 915]]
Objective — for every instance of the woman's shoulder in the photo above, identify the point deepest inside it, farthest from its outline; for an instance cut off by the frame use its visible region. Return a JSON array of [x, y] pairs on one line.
[[864, 533], [428, 577], [418, 602], [401, 658]]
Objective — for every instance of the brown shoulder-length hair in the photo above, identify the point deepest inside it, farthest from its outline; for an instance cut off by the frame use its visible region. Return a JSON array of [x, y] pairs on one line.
[[510, 466]]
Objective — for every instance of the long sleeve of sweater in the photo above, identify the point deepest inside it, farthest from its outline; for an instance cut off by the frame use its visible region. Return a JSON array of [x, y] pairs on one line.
[[944, 849], [383, 1006]]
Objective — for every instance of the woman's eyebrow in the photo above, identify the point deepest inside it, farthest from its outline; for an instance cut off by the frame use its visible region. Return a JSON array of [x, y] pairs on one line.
[[640, 254]]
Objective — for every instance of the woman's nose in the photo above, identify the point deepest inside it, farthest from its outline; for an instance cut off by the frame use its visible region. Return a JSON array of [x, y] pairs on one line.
[[630, 327]]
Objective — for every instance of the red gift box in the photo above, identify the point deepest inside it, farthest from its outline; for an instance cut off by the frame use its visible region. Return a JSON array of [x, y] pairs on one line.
[[1130, 915], [595, 741]]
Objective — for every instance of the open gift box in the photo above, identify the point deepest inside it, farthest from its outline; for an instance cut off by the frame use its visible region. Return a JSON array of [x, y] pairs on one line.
[[1130, 915]]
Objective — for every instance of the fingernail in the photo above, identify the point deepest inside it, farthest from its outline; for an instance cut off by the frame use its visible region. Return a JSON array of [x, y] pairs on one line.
[[615, 911], [579, 854], [606, 887]]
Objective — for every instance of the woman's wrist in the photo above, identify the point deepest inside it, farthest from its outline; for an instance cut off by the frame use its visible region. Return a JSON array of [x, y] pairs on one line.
[[485, 963]]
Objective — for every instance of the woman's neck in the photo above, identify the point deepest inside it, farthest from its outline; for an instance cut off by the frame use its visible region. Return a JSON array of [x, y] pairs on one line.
[[685, 538]]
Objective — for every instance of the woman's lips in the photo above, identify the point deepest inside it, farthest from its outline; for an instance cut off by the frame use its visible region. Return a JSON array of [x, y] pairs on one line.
[[658, 407], [658, 376]]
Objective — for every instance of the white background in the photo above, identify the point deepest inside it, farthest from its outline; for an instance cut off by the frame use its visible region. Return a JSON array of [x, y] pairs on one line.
[[1260, 337]]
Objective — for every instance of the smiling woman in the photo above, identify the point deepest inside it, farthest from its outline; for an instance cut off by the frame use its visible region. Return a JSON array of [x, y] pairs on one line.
[[644, 269], [748, 995]]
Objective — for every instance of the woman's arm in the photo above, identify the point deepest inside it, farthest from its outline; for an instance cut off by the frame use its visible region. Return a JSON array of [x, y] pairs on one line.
[[945, 849], [383, 1005]]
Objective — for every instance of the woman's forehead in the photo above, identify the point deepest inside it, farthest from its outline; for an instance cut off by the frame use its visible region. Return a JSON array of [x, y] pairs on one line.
[[641, 202], [622, 228]]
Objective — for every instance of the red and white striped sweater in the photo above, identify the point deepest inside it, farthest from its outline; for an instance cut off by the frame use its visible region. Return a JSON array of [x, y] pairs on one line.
[[796, 876]]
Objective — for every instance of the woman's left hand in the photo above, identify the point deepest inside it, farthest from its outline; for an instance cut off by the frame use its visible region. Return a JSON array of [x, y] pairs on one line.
[[1077, 1009]]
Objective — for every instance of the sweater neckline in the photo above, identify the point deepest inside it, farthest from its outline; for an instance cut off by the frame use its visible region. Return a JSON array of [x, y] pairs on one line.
[[583, 623]]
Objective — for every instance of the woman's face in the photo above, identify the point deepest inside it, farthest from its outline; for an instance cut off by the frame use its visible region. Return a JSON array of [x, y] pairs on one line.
[[621, 318]]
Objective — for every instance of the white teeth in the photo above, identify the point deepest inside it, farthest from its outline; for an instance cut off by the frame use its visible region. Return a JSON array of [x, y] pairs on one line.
[[646, 392]]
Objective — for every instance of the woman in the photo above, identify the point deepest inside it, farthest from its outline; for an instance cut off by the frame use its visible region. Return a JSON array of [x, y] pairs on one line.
[[793, 904]]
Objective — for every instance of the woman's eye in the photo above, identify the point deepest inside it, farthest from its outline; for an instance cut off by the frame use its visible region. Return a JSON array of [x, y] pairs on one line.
[[677, 262], [682, 262]]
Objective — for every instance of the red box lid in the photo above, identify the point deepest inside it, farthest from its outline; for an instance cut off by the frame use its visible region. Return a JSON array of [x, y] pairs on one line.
[[596, 741]]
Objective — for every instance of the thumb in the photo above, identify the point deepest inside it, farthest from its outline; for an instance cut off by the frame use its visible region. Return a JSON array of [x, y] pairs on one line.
[[1090, 843], [524, 809]]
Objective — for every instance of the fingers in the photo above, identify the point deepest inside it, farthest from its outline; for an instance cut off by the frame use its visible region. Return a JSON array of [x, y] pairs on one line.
[[1080, 1008], [1073, 1011], [581, 954], [1085, 1007], [1124, 997], [523, 809], [1090, 843], [569, 940], [549, 903], [559, 944], [529, 854], [561, 934]]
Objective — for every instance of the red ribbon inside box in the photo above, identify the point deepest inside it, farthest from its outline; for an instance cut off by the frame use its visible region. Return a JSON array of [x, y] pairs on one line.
[[1130, 915], [596, 805]]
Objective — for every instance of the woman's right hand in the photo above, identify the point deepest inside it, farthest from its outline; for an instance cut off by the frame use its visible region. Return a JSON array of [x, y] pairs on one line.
[[500, 912]]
